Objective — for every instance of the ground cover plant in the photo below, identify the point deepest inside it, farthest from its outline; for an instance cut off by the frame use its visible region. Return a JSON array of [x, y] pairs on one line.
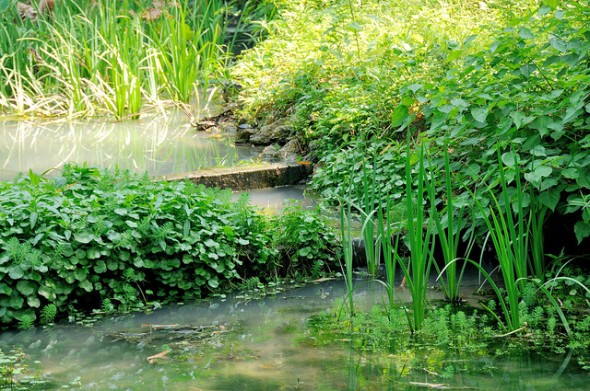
[[117, 241], [114, 57]]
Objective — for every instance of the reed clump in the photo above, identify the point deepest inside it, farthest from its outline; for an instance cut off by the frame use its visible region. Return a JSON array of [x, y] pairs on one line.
[[83, 58]]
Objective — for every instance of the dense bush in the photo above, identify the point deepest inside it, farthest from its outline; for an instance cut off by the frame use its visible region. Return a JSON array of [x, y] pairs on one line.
[[305, 242], [516, 85], [86, 239]]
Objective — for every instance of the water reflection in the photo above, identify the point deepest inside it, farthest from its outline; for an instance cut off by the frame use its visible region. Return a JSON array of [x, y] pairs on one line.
[[161, 145], [266, 345]]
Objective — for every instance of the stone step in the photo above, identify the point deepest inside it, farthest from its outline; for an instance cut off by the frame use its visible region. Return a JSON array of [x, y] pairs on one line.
[[257, 176]]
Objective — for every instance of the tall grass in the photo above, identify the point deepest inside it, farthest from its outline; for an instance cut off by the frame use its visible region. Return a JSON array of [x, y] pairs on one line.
[[388, 234], [88, 58], [449, 223], [512, 231], [347, 269], [419, 238], [368, 209]]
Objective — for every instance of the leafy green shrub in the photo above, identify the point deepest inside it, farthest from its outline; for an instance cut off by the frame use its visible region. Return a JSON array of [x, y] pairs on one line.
[[306, 243], [87, 236], [520, 89]]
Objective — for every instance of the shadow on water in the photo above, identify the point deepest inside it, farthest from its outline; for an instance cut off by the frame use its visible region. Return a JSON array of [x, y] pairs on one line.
[[160, 145], [240, 343]]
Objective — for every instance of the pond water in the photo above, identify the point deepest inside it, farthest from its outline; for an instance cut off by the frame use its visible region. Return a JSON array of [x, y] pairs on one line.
[[159, 145], [240, 343]]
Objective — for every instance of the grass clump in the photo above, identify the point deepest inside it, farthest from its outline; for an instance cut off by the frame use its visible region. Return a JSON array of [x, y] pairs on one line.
[[113, 57]]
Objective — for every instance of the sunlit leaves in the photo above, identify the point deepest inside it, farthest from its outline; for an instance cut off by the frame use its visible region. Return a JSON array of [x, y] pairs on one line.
[[147, 239]]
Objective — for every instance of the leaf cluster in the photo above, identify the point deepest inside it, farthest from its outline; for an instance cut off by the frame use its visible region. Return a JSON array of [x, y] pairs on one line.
[[86, 236]]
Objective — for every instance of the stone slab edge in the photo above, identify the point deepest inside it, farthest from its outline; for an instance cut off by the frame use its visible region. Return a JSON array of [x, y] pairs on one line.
[[249, 177]]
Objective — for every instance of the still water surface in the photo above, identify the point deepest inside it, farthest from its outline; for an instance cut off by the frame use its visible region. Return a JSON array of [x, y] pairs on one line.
[[264, 344], [159, 145]]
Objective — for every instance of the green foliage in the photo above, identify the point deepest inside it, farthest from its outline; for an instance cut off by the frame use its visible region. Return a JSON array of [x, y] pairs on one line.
[[518, 88], [307, 244], [48, 313], [95, 237], [118, 241], [86, 58]]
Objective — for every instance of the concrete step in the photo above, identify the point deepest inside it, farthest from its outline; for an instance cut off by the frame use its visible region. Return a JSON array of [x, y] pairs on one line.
[[257, 176]]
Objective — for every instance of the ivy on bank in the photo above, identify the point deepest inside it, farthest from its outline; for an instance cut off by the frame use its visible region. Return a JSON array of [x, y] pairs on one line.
[[86, 238]]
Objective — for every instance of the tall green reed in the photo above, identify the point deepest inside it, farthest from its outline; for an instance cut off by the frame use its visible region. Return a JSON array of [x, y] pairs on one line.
[[512, 232], [419, 238], [388, 234], [449, 223], [348, 252], [90, 57], [368, 208]]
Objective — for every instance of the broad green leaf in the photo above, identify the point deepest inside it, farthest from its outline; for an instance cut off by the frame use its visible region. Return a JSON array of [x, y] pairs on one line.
[[33, 301], [26, 287], [86, 285], [93, 253], [548, 183], [16, 302], [112, 265], [83, 237], [570, 173], [525, 33], [571, 113], [213, 283], [4, 4], [460, 103], [121, 211], [100, 267], [539, 150], [211, 243], [399, 116], [544, 10], [480, 114], [538, 174], [33, 219], [354, 26], [131, 224], [114, 236], [582, 230], [47, 292], [510, 158], [558, 44], [520, 119], [16, 272], [550, 198], [5, 289], [527, 69], [80, 274]]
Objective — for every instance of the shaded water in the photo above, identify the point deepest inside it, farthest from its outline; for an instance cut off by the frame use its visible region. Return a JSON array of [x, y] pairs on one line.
[[262, 345], [159, 145]]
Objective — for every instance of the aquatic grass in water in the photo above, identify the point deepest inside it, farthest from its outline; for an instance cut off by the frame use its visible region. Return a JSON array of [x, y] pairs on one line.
[[419, 238], [510, 230], [347, 269], [389, 237], [88, 58], [368, 199], [449, 224]]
